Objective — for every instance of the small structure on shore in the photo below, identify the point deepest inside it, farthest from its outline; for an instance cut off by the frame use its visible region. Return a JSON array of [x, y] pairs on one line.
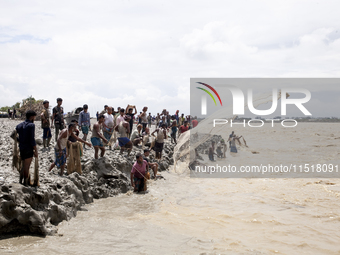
[[73, 115]]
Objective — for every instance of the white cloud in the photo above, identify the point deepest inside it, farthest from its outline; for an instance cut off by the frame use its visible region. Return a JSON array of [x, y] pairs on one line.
[[144, 53]]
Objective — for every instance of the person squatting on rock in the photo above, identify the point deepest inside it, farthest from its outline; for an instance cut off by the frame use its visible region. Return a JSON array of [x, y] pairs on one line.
[[58, 117], [153, 166], [97, 137], [139, 174], [146, 140], [61, 147], [123, 129], [159, 141], [136, 137], [194, 122], [183, 128], [45, 124], [108, 124], [27, 145], [85, 122]]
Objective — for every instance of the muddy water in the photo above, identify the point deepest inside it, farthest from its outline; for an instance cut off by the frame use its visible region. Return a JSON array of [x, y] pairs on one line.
[[183, 215]]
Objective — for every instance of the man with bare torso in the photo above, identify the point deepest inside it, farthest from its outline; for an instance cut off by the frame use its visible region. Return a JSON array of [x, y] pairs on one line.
[[58, 117], [159, 140], [97, 137], [60, 147], [108, 124], [123, 130]]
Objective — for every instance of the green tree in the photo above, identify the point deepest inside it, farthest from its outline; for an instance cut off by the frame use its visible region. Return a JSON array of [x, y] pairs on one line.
[[28, 103], [4, 108], [29, 100], [17, 105]]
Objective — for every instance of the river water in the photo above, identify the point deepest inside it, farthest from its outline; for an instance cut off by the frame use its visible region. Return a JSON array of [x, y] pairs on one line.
[[184, 215]]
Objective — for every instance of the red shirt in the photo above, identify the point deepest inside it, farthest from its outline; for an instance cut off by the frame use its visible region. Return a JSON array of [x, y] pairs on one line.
[[183, 129], [194, 123]]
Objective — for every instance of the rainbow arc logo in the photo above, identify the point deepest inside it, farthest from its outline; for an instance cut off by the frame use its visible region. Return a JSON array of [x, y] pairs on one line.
[[204, 99], [213, 90]]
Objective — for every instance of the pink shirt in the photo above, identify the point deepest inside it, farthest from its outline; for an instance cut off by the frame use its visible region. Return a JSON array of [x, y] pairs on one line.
[[141, 169], [119, 119]]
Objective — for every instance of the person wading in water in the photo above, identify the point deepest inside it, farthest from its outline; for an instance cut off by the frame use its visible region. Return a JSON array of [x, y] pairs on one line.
[[138, 173]]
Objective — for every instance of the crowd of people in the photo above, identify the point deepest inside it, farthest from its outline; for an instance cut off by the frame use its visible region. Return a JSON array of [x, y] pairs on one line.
[[113, 129], [12, 114], [221, 147]]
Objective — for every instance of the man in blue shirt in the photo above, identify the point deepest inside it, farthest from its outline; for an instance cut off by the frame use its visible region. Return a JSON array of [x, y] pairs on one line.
[[27, 145], [84, 121]]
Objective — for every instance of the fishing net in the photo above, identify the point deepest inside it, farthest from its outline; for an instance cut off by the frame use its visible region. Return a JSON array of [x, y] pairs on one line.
[[188, 142]]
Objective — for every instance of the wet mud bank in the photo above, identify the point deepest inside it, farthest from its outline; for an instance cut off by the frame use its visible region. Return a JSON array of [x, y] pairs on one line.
[[39, 210]]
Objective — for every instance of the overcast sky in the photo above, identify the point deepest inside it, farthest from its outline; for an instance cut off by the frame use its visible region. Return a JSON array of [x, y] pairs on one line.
[[145, 52]]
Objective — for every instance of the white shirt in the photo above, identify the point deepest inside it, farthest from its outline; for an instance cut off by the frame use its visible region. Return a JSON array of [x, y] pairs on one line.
[[108, 120], [144, 118]]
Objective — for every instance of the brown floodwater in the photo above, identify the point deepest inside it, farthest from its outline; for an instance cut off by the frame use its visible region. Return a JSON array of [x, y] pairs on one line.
[[183, 215]]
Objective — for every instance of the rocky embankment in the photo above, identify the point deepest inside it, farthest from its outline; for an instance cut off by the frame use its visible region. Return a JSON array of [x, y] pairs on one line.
[[39, 210]]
